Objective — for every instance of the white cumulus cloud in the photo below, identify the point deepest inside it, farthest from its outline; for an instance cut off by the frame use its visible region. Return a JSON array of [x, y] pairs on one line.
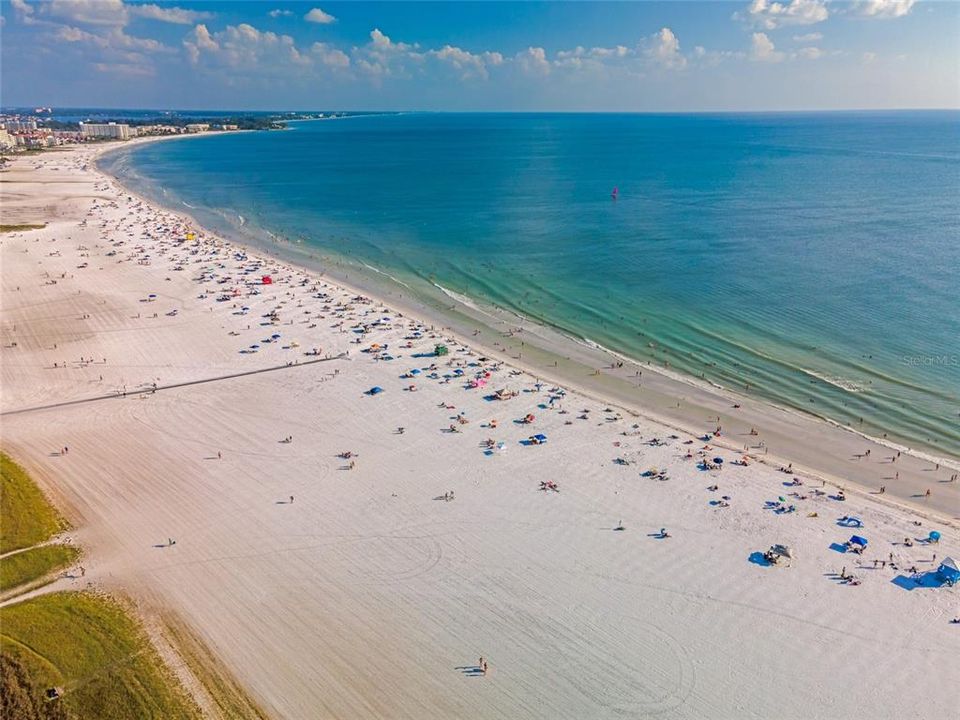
[[280, 13], [244, 47], [467, 63], [665, 49], [884, 8], [175, 15], [809, 37], [330, 56], [113, 39], [533, 61], [763, 50], [21, 8], [383, 57], [771, 15], [319, 16], [199, 39], [89, 12]]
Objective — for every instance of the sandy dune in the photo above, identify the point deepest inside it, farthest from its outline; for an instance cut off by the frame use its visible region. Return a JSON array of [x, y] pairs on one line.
[[368, 595]]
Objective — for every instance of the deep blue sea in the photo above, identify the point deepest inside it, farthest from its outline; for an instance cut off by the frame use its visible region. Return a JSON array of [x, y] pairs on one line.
[[815, 256]]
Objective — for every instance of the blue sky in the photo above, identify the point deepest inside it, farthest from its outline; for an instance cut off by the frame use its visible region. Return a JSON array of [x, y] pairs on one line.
[[624, 56]]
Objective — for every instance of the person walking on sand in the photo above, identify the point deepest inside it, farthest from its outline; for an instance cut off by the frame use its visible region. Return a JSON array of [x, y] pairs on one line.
[[291, 499], [219, 455]]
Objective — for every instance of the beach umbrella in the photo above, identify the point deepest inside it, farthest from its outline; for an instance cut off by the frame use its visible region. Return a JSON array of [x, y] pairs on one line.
[[934, 536], [718, 460], [375, 390], [540, 437], [275, 336]]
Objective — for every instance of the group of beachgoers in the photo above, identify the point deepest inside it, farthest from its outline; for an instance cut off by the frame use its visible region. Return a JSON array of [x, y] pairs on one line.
[[273, 304]]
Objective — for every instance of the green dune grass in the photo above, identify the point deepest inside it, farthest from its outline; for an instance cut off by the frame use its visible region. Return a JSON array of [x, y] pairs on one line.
[[26, 518], [88, 646], [34, 564], [21, 227]]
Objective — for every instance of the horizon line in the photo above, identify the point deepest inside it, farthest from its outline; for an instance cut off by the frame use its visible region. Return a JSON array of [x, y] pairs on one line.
[[718, 111]]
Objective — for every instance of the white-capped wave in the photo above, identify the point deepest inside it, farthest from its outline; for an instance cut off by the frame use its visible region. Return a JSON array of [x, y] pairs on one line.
[[398, 281], [837, 382]]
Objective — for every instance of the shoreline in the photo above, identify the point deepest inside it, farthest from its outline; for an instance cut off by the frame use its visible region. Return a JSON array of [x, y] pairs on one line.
[[574, 362], [350, 553]]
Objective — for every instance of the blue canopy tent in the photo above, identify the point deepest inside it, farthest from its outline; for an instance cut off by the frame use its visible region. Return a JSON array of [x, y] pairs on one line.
[[857, 540], [850, 521], [948, 571]]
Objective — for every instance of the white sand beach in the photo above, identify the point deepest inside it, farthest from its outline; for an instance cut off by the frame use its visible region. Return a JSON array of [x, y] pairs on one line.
[[344, 568]]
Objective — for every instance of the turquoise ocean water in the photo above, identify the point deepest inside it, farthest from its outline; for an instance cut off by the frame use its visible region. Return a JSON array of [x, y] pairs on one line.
[[814, 256]]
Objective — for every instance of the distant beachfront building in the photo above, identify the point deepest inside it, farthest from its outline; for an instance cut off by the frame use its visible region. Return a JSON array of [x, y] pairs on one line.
[[67, 136], [113, 131], [14, 126], [6, 140], [197, 127]]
